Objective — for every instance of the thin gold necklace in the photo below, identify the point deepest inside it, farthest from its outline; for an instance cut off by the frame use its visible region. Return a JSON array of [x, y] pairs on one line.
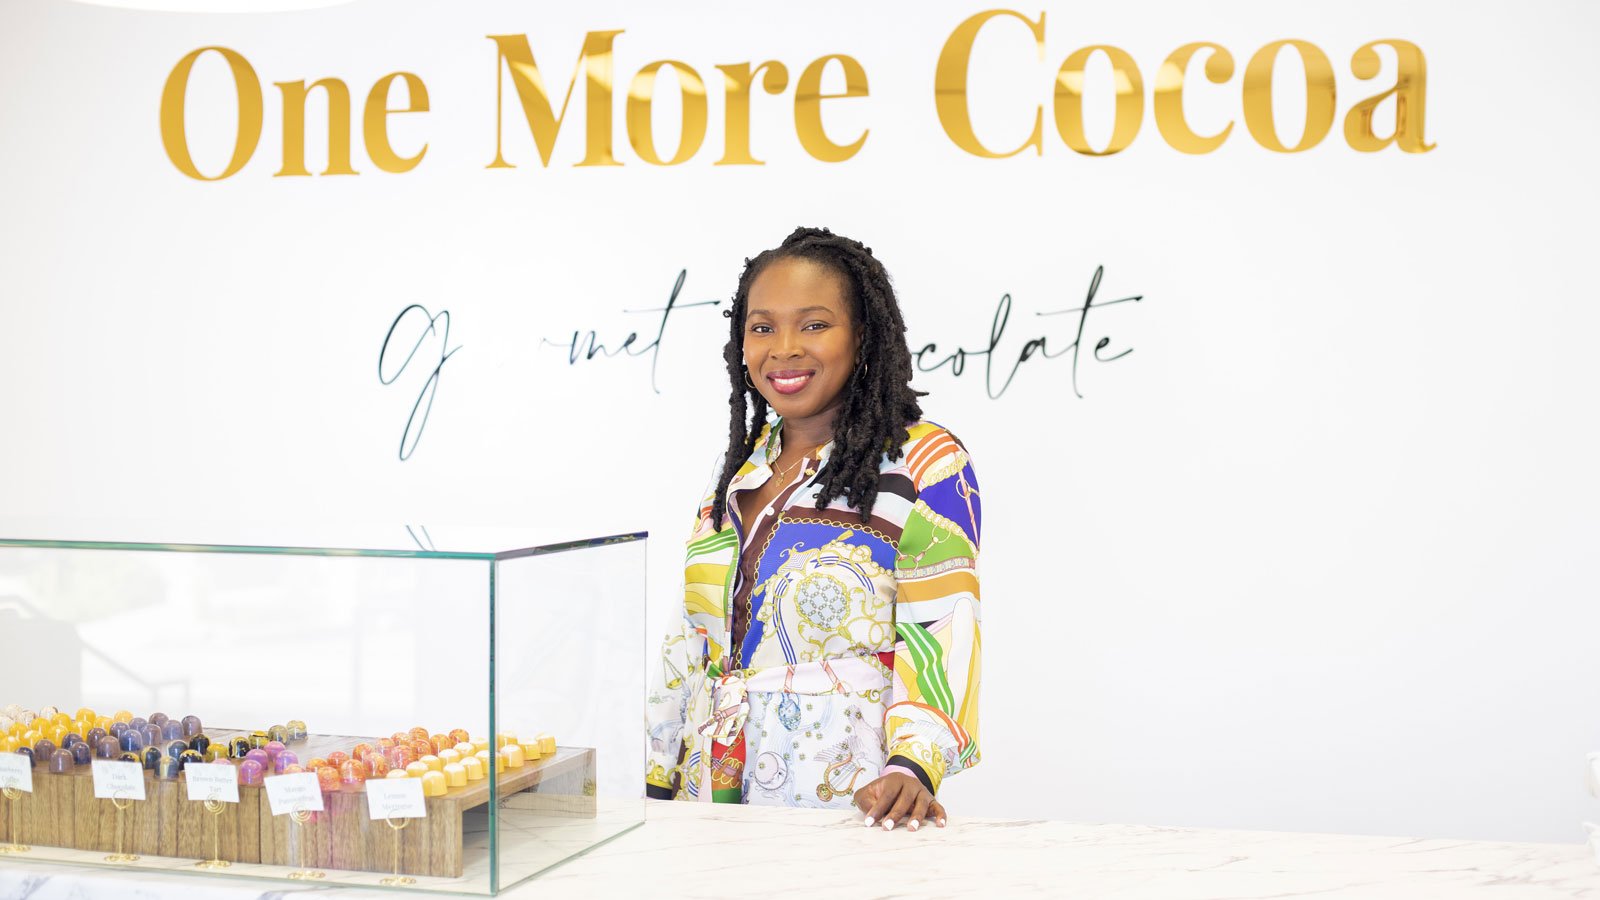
[[783, 473]]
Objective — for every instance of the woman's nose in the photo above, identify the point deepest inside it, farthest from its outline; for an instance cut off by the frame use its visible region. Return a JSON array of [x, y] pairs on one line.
[[787, 345]]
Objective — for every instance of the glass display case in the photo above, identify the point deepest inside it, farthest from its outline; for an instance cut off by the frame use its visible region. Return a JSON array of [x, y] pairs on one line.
[[444, 710]]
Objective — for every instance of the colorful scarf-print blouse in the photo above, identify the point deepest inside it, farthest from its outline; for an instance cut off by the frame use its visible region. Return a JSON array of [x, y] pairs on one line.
[[860, 647]]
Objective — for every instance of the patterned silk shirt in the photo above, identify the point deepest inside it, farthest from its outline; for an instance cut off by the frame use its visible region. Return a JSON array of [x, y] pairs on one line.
[[860, 649]]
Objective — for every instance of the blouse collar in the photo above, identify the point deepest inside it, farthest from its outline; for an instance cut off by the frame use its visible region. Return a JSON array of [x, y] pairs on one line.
[[770, 445]]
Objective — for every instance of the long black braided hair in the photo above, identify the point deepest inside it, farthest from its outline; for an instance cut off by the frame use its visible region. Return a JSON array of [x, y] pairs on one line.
[[878, 401]]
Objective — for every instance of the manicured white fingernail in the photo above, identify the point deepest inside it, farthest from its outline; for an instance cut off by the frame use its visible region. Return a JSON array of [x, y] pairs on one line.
[[941, 823], [869, 821], [888, 824], [914, 824]]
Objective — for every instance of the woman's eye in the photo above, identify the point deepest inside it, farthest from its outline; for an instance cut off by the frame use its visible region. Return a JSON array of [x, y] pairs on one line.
[[816, 326], [760, 329]]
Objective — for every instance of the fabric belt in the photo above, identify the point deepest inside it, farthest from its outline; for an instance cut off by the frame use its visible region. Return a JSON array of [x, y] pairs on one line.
[[719, 705]]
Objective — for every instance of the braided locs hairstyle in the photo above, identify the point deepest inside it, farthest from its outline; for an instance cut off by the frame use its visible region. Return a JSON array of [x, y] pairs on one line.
[[878, 402]]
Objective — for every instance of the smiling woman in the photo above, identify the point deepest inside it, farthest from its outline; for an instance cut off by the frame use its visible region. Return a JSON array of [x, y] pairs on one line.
[[828, 653]]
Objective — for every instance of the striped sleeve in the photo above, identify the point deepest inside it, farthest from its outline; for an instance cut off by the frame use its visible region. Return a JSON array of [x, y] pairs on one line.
[[684, 648], [933, 720]]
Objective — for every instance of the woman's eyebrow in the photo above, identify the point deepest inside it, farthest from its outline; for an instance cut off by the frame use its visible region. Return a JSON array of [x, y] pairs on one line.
[[801, 310]]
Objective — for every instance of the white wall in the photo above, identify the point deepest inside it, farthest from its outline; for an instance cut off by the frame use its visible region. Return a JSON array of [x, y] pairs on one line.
[[1317, 555]]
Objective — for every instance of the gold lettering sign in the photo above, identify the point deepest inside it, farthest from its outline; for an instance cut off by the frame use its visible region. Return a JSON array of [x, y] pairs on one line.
[[1410, 99], [808, 99], [174, 132], [642, 93], [514, 59], [1129, 102], [1258, 96], [736, 100], [294, 126], [375, 122], [950, 86], [594, 61], [1170, 120]]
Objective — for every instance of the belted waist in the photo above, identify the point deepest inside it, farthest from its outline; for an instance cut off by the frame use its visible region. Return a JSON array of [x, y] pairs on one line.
[[720, 705]]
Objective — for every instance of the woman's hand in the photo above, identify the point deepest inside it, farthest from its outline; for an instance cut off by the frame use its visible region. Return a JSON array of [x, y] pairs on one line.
[[898, 798]]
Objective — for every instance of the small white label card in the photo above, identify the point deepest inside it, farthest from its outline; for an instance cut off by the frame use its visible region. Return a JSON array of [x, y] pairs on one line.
[[213, 781], [16, 771], [290, 793], [395, 798], [118, 780]]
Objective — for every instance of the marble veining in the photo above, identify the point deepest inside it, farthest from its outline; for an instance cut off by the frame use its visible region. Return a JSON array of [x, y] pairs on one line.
[[683, 847]]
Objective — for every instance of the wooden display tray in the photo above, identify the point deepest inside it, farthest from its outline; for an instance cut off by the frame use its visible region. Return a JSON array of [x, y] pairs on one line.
[[62, 812]]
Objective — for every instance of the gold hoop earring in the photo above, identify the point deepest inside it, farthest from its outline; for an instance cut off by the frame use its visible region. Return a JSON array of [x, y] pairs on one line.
[[747, 382]]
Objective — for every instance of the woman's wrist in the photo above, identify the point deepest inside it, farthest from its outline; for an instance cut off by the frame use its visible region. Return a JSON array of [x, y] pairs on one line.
[[908, 766]]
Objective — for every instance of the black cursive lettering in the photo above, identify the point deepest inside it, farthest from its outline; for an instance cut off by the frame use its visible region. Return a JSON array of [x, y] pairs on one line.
[[436, 325], [586, 347], [1038, 346]]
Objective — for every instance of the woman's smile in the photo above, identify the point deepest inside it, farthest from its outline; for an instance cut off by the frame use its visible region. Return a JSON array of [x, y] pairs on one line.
[[790, 381]]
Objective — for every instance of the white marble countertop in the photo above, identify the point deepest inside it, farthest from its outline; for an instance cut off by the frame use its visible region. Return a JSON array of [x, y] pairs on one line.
[[696, 850]]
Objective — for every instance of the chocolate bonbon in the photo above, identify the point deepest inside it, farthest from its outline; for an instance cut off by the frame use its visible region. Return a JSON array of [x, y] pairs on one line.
[[62, 761], [352, 774], [433, 784], [327, 778], [513, 756], [250, 772], [455, 775]]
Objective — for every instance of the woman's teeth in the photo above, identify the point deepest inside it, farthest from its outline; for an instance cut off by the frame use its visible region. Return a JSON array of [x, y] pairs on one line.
[[790, 383]]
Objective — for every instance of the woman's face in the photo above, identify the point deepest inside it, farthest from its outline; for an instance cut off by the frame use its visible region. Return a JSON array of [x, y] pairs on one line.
[[799, 340]]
